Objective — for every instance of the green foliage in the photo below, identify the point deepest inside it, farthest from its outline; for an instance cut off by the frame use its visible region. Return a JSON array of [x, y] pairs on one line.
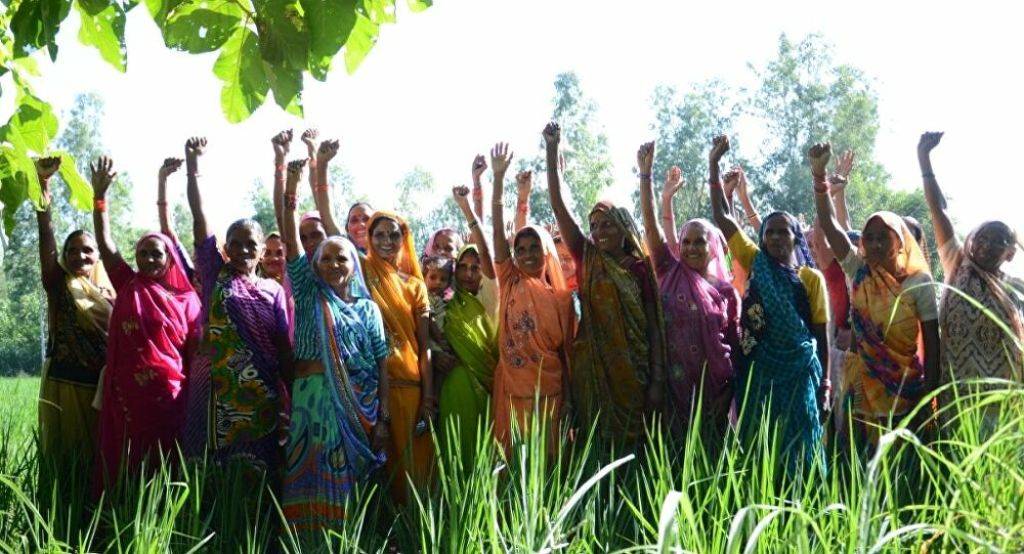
[[103, 28]]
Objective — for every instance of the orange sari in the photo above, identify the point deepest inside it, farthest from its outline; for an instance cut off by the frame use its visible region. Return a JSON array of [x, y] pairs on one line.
[[536, 324], [400, 292]]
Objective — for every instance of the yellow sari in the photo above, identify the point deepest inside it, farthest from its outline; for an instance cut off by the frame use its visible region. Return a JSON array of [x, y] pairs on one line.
[[400, 292]]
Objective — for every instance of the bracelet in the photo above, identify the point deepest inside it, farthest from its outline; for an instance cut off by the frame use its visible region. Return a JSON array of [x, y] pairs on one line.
[[280, 168], [161, 202], [290, 201], [320, 188], [928, 175], [523, 208], [715, 184], [645, 175], [99, 204], [821, 185]]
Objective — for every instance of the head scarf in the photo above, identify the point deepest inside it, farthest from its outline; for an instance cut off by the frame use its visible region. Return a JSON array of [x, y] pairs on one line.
[[92, 294], [801, 252], [357, 282], [800, 248], [431, 249], [718, 260], [312, 214], [406, 260], [551, 272], [910, 259]]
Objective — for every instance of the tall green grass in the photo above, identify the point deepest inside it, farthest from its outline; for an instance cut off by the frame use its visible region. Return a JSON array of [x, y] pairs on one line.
[[960, 492]]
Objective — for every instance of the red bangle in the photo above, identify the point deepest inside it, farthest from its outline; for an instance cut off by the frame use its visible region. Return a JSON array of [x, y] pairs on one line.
[[523, 208], [280, 168], [715, 184], [478, 192], [161, 202], [99, 204], [321, 188], [290, 201], [820, 183]]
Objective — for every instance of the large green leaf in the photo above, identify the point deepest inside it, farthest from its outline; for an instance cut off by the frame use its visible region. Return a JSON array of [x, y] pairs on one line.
[[12, 194], [161, 9], [245, 81], [286, 84], [417, 6], [283, 36], [329, 22], [80, 189], [360, 42], [198, 26], [32, 126], [379, 11], [103, 28], [35, 25]]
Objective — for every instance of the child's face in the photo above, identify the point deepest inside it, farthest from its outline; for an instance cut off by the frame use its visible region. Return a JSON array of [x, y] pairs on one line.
[[437, 280]]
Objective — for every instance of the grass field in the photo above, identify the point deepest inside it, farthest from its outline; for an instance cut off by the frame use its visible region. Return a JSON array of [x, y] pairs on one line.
[[961, 493]]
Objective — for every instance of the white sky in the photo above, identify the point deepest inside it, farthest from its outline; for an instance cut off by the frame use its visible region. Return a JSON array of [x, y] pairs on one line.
[[445, 84]]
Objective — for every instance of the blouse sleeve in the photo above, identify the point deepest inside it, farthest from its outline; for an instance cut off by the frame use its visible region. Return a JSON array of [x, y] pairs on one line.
[[120, 273], [420, 298], [921, 288], [208, 264], [375, 327], [743, 249], [301, 276], [814, 282]]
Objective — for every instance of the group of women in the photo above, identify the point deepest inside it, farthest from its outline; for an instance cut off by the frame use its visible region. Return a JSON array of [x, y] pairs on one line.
[[315, 356]]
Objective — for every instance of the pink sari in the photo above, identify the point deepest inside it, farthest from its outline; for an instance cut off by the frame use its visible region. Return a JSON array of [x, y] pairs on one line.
[[154, 331]]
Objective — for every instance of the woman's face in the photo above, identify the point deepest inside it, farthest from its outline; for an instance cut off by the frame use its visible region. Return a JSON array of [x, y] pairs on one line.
[[606, 233], [993, 245], [693, 248], [468, 273], [358, 218], [565, 259], [823, 255], [387, 239], [244, 249], [81, 255], [311, 234], [445, 245], [273, 258], [152, 258], [529, 254], [335, 265], [779, 239], [881, 244]]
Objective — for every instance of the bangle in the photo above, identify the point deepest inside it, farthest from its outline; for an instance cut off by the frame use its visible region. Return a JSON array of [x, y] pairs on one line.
[[99, 204], [320, 188], [928, 175], [645, 175], [715, 184], [280, 168], [821, 185], [523, 207], [161, 202], [290, 201]]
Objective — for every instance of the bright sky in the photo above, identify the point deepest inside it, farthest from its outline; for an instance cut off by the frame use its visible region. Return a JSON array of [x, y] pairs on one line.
[[445, 84]]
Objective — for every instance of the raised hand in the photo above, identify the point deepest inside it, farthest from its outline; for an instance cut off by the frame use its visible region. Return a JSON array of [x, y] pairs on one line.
[[731, 181], [194, 147], [295, 168], [169, 166], [501, 158], [928, 142], [479, 166], [524, 183], [552, 134], [719, 146], [281, 142], [102, 175], [844, 164], [46, 167], [819, 155], [328, 149], [743, 185], [645, 159], [309, 137], [673, 182], [461, 196]]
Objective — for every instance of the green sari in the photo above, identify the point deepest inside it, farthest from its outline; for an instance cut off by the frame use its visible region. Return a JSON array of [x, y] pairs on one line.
[[466, 393]]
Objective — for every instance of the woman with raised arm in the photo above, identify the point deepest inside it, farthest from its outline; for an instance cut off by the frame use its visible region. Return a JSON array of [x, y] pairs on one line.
[[701, 312], [673, 182], [466, 392], [317, 225], [618, 357], [272, 265], [783, 341], [973, 345], [895, 329], [536, 322], [339, 422], [396, 282], [167, 168], [79, 300], [153, 336], [239, 396]]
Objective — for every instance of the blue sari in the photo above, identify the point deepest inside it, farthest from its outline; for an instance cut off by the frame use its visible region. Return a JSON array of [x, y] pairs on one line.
[[780, 370]]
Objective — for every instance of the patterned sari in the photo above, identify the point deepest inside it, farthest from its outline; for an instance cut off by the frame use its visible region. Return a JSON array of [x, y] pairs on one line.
[[237, 398], [154, 333], [535, 327], [329, 440], [612, 355], [884, 376], [400, 292], [781, 371], [466, 392]]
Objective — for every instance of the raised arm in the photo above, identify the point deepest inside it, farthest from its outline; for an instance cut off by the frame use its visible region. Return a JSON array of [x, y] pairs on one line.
[[194, 148], [524, 184], [500, 160], [570, 230], [290, 229], [743, 190], [309, 137], [652, 233], [102, 175], [461, 195], [819, 155], [321, 191], [281, 143], [673, 182], [479, 166], [719, 206], [837, 185], [48, 254], [932, 192], [169, 166]]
